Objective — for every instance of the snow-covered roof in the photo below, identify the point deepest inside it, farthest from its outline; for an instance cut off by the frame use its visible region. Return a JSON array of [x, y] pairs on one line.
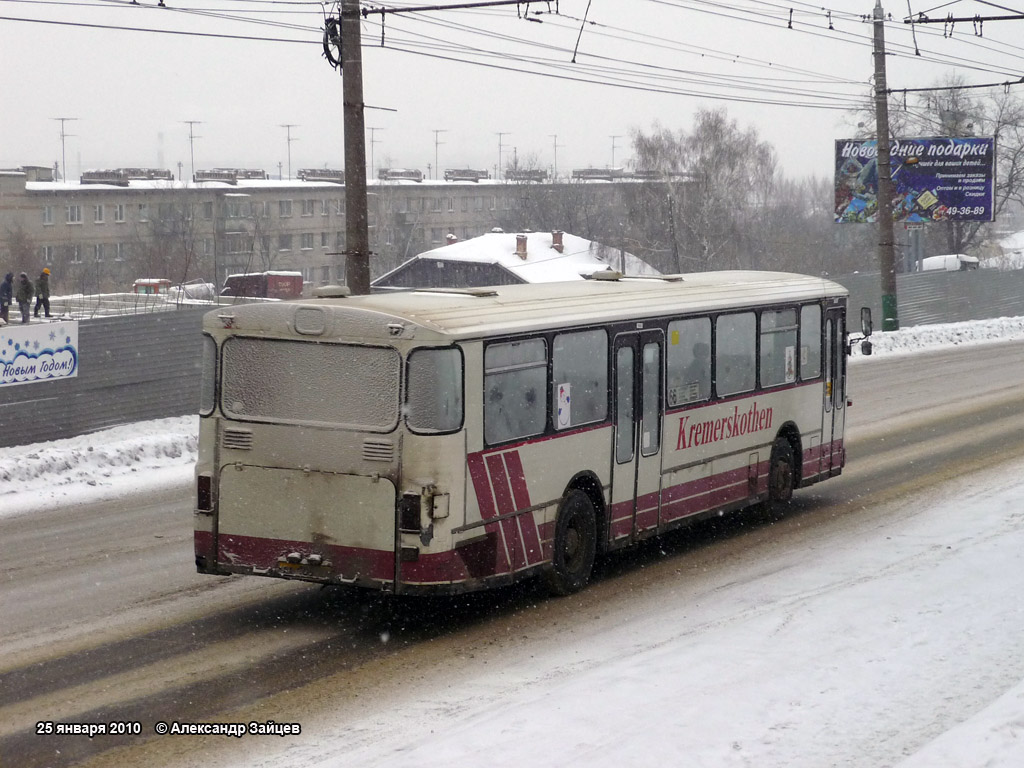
[[542, 262]]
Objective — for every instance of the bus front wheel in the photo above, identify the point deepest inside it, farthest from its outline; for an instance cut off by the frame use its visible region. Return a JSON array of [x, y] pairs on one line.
[[575, 545], [781, 473]]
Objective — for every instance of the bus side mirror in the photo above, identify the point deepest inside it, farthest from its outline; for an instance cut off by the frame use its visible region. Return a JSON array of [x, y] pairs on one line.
[[865, 321], [865, 347]]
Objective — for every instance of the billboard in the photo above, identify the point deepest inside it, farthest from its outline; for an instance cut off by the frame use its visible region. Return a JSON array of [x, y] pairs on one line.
[[933, 179], [38, 352]]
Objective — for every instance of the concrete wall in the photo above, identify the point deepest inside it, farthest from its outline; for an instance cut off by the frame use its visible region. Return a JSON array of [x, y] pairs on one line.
[[131, 368]]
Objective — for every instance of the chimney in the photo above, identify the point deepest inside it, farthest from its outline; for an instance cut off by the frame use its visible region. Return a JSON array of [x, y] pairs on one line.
[[450, 238], [521, 246], [556, 240]]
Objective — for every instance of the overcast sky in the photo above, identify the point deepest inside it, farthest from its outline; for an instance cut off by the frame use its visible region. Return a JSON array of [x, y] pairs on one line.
[[446, 84]]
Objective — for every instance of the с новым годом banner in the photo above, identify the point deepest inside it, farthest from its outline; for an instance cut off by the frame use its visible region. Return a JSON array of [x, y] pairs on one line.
[[933, 179], [38, 352]]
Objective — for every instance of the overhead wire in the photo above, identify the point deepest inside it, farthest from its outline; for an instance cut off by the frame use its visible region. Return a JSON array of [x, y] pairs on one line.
[[597, 69]]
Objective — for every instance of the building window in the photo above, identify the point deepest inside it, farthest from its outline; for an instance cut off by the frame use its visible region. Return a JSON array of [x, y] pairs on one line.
[[97, 211], [97, 252], [325, 207], [119, 252], [307, 207], [306, 241], [46, 254], [284, 208], [436, 234], [143, 211], [47, 214], [435, 204], [325, 275], [207, 246], [451, 204], [76, 254], [208, 210], [284, 242], [325, 239], [119, 213], [73, 214]]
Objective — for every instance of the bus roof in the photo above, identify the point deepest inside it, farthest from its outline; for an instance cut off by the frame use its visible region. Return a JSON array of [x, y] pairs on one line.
[[508, 309]]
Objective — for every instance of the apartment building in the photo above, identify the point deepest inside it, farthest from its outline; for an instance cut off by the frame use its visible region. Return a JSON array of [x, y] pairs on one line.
[[109, 228]]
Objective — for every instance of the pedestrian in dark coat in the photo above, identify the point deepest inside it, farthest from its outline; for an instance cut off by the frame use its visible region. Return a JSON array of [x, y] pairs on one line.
[[43, 292], [23, 295], [6, 296]]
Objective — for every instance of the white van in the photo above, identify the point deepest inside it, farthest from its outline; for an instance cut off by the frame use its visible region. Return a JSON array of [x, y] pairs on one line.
[[950, 262]]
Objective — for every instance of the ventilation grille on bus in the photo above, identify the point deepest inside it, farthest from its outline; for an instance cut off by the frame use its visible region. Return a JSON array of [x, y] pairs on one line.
[[377, 449], [239, 439]]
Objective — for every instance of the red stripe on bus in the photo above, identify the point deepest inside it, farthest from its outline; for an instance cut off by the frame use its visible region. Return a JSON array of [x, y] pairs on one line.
[[527, 521], [203, 543], [503, 497], [346, 562], [485, 501]]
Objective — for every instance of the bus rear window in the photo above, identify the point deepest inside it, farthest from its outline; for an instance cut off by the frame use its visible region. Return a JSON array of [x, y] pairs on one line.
[[309, 383]]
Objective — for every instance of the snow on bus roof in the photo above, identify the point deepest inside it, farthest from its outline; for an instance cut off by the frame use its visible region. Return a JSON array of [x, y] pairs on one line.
[[529, 307]]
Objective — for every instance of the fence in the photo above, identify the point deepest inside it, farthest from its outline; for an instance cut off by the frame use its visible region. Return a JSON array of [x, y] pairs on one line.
[[130, 368], [925, 298]]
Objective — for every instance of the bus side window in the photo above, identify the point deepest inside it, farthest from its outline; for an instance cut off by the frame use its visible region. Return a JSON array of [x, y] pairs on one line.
[[778, 347], [735, 346], [688, 361], [810, 342], [515, 390], [434, 392], [579, 369]]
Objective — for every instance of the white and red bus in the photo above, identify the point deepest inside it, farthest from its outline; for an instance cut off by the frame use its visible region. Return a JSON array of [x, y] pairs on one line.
[[447, 440]]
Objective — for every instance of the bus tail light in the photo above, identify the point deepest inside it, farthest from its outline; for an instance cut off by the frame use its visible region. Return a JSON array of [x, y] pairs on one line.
[[409, 513], [204, 493]]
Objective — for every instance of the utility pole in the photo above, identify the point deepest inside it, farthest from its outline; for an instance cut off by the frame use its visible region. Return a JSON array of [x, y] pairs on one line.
[[63, 161], [554, 145], [437, 132], [357, 237], [373, 141], [191, 143], [357, 245], [288, 127], [613, 138], [497, 172], [886, 248]]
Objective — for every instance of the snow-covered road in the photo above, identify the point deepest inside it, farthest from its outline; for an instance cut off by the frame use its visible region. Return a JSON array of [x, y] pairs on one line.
[[891, 639]]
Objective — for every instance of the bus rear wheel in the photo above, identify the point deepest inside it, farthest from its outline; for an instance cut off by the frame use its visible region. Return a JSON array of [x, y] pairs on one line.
[[781, 473], [575, 545]]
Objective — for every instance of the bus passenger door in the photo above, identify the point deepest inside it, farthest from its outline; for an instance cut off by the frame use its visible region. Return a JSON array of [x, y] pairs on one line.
[[636, 451], [834, 417]]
